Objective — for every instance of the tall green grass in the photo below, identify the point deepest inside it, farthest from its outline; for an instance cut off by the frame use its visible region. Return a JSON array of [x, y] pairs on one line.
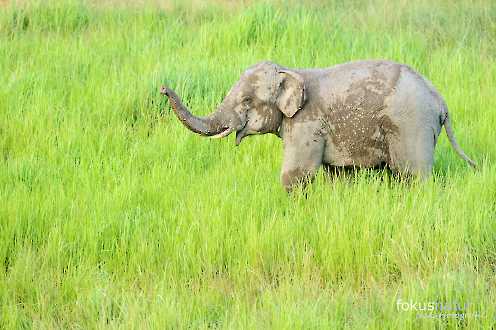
[[113, 215]]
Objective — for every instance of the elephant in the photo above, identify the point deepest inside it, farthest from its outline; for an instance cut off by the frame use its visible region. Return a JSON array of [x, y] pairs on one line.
[[360, 114]]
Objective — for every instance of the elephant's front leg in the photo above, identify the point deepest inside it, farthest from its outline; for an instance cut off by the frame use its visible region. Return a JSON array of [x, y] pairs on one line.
[[302, 158]]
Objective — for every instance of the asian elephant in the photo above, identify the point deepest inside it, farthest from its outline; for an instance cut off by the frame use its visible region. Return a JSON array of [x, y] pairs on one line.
[[367, 114]]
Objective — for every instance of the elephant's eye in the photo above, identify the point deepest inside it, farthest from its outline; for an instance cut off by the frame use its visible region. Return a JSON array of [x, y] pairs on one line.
[[246, 100]]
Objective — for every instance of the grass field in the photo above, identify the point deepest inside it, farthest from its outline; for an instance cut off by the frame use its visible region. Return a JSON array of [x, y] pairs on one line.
[[114, 215]]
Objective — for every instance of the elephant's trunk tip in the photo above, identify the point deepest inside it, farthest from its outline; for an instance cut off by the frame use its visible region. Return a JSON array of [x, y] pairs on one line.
[[164, 90]]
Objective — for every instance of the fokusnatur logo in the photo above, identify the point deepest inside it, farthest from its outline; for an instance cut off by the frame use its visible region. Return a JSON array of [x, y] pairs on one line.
[[430, 306], [433, 309]]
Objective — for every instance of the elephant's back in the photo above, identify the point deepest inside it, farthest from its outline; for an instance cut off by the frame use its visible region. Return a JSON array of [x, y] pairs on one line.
[[359, 83]]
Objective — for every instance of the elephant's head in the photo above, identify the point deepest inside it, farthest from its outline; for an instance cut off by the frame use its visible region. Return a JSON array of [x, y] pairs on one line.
[[256, 104]]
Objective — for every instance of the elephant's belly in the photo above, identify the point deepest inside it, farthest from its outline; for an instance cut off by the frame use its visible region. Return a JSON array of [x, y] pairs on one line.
[[364, 156]]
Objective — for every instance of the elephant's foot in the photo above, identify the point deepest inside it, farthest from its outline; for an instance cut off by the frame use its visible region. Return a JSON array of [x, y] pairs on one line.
[[296, 177]]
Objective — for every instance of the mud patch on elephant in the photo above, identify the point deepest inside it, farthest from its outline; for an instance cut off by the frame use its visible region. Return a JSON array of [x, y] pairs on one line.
[[356, 122], [261, 81], [272, 120], [264, 118]]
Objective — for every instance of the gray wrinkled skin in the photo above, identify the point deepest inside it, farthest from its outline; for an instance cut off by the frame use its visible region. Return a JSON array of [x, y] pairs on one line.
[[365, 114]]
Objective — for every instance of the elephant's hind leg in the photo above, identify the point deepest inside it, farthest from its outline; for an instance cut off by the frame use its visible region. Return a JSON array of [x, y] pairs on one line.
[[412, 154], [415, 111]]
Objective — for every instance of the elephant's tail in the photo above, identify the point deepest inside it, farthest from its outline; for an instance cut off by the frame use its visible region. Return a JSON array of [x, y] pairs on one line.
[[454, 144]]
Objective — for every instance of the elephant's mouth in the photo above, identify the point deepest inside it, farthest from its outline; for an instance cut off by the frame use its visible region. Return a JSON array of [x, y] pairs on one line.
[[241, 133], [224, 133]]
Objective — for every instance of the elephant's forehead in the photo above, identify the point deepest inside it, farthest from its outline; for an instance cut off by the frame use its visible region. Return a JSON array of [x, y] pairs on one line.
[[260, 82]]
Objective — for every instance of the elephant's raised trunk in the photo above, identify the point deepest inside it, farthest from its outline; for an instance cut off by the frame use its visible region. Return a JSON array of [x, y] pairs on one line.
[[214, 125]]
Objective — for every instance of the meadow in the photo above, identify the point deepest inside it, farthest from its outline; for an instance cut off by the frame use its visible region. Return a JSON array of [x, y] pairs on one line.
[[113, 215]]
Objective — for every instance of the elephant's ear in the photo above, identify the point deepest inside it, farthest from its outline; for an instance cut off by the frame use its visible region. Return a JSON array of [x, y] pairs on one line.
[[291, 97]]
